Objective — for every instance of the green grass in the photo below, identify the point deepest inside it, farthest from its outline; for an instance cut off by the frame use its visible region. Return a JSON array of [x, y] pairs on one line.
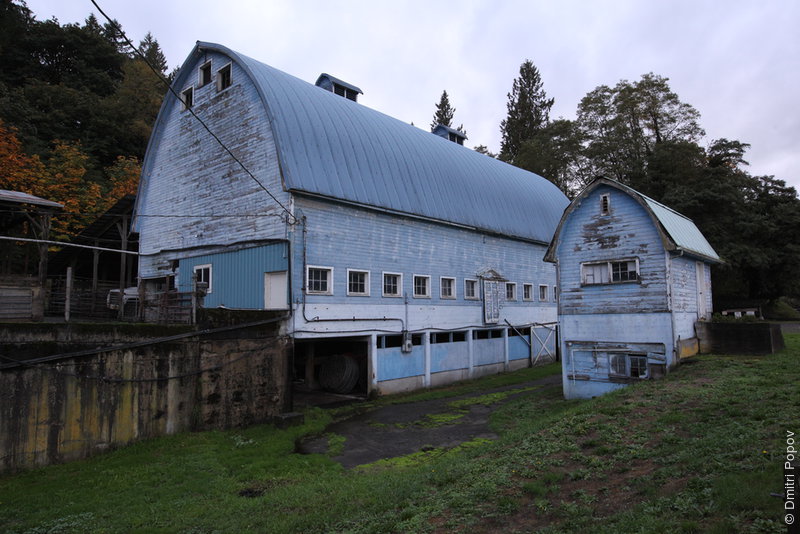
[[698, 451]]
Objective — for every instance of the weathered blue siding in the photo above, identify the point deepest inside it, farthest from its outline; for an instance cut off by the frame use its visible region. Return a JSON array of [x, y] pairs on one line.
[[345, 237], [627, 232], [237, 277], [394, 364], [192, 194], [449, 356]]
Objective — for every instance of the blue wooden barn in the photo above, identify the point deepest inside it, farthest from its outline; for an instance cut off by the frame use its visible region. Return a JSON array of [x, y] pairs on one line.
[[634, 276], [403, 250]]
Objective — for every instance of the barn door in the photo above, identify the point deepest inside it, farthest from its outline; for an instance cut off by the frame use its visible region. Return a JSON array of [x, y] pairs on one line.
[[276, 291], [702, 303]]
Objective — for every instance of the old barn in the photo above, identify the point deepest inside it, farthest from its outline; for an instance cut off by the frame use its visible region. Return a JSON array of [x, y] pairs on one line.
[[397, 253]]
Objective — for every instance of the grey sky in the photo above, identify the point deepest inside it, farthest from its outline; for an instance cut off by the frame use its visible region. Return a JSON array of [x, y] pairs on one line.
[[736, 61]]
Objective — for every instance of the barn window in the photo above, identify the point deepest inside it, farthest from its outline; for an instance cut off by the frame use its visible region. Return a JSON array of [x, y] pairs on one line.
[[527, 291], [357, 283], [319, 280], [605, 204], [422, 286], [471, 289], [205, 73], [627, 365], [224, 79], [392, 284], [447, 287], [543, 293], [511, 291], [607, 272], [202, 276], [187, 97]]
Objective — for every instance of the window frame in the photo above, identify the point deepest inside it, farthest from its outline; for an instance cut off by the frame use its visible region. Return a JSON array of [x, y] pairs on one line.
[[366, 292], [427, 277], [609, 267], [529, 288], [452, 295], [546, 293], [399, 276], [220, 77], [187, 103], [513, 287], [475, 293], [201, 71], [641, 359], [605, 204], [202, 267], [329, 270]]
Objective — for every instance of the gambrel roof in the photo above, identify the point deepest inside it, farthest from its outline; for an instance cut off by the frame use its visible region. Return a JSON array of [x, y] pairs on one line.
[[331, 147], [678, 233]]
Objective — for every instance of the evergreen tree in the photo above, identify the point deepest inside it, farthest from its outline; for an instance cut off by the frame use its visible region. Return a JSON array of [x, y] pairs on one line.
[[152, 53], [528, 111], [444, 114]]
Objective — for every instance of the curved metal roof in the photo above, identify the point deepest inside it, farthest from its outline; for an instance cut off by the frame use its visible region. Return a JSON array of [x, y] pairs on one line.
[[678, 232], [333, 147]]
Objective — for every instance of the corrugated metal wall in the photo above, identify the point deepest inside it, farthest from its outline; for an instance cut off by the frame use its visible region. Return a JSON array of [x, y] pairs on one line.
[[238, 276]]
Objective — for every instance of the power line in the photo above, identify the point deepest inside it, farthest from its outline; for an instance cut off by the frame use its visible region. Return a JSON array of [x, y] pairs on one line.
[[171, 90]]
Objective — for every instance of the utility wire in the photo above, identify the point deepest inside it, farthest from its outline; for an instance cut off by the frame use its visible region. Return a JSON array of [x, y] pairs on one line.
[[175, 93]]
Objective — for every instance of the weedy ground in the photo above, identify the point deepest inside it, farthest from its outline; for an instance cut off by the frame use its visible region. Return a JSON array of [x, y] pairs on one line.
[[699, 451]]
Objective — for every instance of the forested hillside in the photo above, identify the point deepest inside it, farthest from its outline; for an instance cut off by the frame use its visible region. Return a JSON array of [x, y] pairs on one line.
[[76, 110]]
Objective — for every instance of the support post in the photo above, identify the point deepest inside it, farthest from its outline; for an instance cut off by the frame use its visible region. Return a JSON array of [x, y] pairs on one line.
[[68, 296]]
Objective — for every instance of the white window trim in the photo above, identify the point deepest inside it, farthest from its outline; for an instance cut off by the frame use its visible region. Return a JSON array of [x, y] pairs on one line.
[[476, 294], [627, 358], [330, 280], [546, 291], [366, 283], [218, 77], [210, 274], [605, 201], [452, 286], [528, 285], [200, 74], [513, 286], [609, 270], [184, 106], [414, 286], [399, 284]]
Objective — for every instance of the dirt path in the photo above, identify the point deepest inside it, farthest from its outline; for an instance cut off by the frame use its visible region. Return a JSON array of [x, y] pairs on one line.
[[401, 429]]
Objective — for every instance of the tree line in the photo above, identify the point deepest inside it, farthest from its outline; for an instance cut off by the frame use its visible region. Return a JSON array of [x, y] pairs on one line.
[[641, 134], [76, 110]]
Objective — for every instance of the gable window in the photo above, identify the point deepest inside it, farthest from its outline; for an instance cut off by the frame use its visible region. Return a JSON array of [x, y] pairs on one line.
[[527, 291], [392, 284], [608, 272], [543, 293], [447, 288], [422, 286], [187, 98], [511, 291], [471, 289], [205, 73], [202, 277], [627, 365], [319, 280], [357, 283], [605, 204], [224, 79]]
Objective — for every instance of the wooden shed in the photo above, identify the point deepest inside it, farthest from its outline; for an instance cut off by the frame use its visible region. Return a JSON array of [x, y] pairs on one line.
[[634, 276]]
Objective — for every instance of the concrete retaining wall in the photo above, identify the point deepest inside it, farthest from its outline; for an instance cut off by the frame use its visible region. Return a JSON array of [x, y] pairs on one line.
[[75, 406]]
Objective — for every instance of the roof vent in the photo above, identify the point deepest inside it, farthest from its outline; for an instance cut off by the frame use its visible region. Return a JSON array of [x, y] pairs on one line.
[[456, 136], [339, 87]]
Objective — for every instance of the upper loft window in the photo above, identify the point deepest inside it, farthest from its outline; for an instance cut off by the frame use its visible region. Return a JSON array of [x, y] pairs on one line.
[[187, 98], [341, 90], [605, 204], [205, 73], [607, 272], [422, 286], [224, 79], [319, 280], [357, 283], [511, 291], [471, 289], [338, 87], [392, 284], [447, 287]]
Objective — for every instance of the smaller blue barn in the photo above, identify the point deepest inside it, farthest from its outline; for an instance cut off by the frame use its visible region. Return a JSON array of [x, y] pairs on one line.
[[634, 277]]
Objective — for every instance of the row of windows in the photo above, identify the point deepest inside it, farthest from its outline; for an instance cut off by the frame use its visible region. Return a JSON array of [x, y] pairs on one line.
[[224, 80], [319, 281]]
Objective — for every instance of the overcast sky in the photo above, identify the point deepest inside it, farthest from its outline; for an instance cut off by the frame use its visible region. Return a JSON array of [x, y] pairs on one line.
[[736, 61]]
